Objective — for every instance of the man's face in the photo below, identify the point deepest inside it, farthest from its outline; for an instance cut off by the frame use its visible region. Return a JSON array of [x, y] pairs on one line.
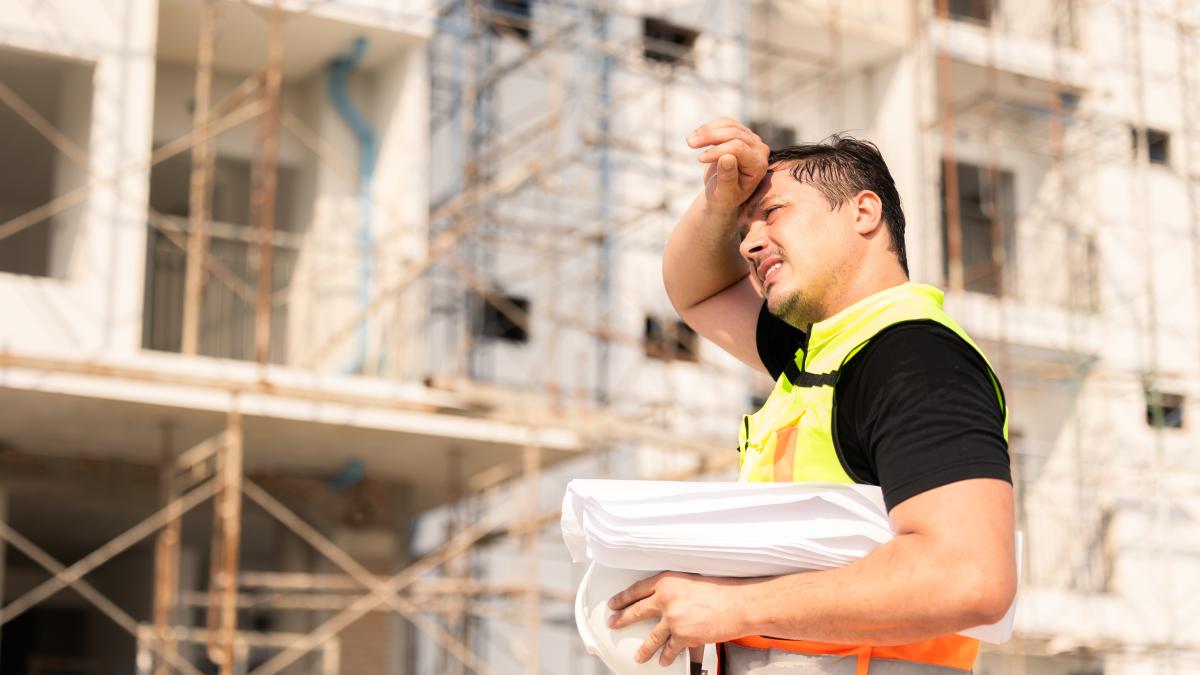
[[795, 245]]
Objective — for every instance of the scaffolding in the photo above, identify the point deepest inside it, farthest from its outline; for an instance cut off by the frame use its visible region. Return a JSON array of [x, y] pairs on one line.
[[565, 158], [212, 471]]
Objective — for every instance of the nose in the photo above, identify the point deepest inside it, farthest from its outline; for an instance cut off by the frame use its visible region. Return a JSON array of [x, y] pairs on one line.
[[754, 242]]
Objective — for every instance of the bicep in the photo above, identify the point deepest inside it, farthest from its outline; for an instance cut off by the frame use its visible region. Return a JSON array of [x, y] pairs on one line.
[[967, 525], [730, 320]]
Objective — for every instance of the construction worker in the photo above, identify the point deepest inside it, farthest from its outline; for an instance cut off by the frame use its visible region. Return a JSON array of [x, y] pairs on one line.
[[794, 262]]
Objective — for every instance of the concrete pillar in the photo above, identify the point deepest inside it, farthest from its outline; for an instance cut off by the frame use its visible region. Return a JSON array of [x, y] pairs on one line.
[[74, 119], [3, 547]]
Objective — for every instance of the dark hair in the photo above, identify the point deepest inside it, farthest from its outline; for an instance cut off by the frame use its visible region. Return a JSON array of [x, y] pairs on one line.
[[840, 167]]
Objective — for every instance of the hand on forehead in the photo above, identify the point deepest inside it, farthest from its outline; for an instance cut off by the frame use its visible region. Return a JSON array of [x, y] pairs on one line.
[[752, 204]]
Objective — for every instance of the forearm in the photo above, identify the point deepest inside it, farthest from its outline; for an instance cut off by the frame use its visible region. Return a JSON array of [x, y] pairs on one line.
[[701, 257], [898, 594]]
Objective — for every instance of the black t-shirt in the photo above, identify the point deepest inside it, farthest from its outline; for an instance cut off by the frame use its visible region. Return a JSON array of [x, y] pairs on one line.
[[916, 407]]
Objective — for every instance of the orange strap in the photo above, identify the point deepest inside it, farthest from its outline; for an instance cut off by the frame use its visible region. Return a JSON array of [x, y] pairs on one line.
[[953, 651], [864, 660]]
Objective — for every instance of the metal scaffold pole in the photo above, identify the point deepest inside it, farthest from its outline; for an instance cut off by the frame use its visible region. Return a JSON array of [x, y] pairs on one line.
[[950, 188], [265, 180], [200, 189], [226, 545], [166, 556]]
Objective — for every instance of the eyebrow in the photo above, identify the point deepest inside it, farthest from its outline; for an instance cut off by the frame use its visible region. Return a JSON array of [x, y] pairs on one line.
[[759, 207]]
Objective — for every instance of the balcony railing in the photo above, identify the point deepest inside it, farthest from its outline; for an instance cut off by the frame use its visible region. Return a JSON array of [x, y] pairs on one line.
[[228, 311]]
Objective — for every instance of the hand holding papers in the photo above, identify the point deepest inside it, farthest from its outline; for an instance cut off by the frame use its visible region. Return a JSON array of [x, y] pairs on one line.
[[726, 529]]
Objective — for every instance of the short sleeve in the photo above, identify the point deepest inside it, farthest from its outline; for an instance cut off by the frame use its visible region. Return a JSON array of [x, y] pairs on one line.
[[920, 410], [777, 341]]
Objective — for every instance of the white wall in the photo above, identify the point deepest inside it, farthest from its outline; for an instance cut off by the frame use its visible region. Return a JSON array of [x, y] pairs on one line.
[[97, 308]]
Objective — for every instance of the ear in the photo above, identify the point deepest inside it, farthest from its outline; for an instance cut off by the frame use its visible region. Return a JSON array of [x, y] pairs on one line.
[[868, 212]]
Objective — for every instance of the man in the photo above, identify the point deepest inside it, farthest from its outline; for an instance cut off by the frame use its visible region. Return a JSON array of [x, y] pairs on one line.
[[794, 262]]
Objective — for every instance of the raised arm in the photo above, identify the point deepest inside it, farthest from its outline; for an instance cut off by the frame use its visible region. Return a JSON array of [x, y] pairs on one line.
[[705, 277]]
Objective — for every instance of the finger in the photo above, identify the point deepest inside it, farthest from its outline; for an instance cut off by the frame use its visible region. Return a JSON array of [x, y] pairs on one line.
[[637, 591], [717, 135], [657, 638], [671, 651], [738, 148], [727, 170], [716, 122], [646, 609], [713, 133]]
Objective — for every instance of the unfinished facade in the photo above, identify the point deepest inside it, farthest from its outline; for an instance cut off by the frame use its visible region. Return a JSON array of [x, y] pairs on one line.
[[303, 299], [1044, 152]]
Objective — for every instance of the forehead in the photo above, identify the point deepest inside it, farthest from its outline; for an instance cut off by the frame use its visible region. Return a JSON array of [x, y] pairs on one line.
[[777, 182]]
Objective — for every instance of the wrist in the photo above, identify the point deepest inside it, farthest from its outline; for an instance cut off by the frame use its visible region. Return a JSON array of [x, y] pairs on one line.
[[723, 213], [757, 608], [745, 610]]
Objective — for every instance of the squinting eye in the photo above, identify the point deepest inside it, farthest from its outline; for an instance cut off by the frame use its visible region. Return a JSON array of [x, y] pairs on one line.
[[767, 213]]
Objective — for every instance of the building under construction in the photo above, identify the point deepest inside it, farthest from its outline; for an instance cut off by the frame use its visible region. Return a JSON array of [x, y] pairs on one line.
[[312, 307]]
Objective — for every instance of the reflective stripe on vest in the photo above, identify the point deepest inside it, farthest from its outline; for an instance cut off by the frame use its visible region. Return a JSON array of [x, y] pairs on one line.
[[791, 438]]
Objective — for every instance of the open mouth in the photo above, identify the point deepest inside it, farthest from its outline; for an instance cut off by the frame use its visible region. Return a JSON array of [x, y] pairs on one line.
[[771, 272], [768, 268]]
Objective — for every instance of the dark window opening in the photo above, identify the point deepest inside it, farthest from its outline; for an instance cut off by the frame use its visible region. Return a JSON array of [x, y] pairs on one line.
[[33, 172], [672, 340], [47, 640], [228, 319], [775, 135], [511, 17], [1068, 102], [666, 42], [1085, 268], [986, 214], [1164, 410], [503, 317], [1158, 145], [979, 11]]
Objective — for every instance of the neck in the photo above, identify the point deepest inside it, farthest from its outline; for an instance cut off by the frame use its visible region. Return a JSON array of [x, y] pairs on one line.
[[869, 280]]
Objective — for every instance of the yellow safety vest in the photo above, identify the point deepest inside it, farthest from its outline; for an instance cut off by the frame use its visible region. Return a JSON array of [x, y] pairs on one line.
[[791, 438]]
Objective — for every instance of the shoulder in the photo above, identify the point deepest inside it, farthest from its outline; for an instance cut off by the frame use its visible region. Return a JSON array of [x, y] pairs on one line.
[[914, 348], [918, 408]]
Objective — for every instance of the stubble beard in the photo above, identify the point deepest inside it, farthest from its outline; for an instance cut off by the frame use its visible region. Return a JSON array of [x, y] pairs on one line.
[[796, 309]]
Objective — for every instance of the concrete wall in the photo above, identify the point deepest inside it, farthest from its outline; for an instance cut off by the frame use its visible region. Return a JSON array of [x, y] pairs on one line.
[[95, 304], [121, 101]]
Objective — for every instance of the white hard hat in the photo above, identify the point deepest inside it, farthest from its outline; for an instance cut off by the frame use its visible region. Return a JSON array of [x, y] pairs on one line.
[[616, 647]]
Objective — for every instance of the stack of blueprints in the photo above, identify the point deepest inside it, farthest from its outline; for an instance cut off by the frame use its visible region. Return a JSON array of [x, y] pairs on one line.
[[730, 529]]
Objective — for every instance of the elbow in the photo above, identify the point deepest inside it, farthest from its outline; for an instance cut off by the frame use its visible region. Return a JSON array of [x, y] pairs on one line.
[[675, 289], [985, 599]]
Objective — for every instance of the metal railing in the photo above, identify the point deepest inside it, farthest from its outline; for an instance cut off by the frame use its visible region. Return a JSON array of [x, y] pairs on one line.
[[227, 321]]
